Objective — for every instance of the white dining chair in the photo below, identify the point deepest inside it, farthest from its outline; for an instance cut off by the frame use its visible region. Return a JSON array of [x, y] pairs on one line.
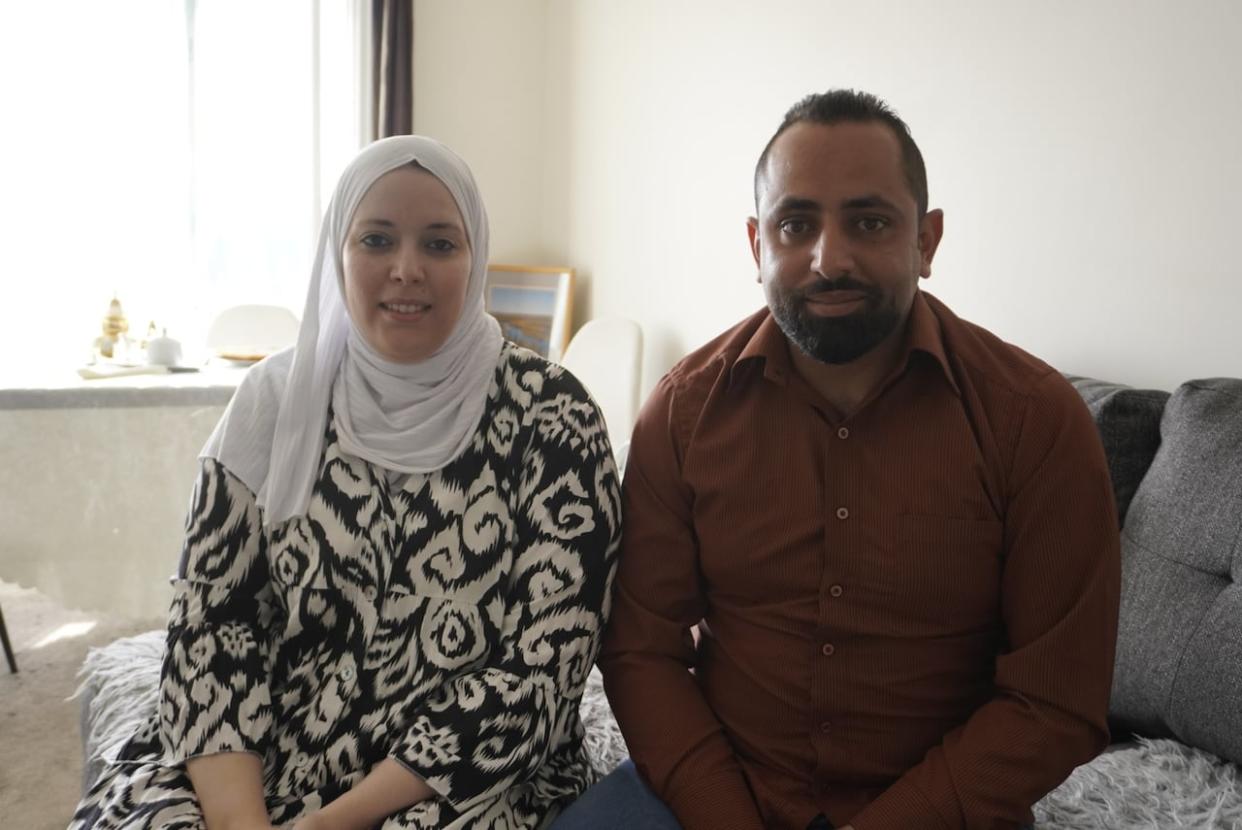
[[251, 331], [606, 354]]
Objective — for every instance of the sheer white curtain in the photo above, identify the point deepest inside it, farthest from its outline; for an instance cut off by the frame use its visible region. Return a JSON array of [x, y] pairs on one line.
[[176, 154]]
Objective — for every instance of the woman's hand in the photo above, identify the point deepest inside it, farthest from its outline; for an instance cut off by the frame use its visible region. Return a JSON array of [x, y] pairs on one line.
[[313, 821], [229, 787], [388, 788]]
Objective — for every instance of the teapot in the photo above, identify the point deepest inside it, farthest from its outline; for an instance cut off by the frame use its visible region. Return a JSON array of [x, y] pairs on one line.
[[163, 350]]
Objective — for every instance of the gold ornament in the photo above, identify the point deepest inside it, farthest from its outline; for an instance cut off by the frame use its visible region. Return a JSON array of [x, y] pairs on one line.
[[114, 328]]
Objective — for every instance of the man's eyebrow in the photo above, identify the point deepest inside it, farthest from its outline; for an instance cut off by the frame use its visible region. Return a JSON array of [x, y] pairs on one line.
[[795, 203], [867, 202]]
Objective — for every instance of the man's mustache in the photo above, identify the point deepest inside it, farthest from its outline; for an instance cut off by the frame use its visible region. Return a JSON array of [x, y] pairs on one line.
[[842, 283]]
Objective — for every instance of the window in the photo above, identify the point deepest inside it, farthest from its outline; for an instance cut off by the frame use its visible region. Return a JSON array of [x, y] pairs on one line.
[[176, 154]]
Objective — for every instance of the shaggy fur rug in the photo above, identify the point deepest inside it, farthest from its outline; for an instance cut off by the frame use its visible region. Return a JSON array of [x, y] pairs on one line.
[[1148, 785], [1153, 784]]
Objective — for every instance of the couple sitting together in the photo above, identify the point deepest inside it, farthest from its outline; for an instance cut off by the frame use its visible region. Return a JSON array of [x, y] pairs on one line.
[[867, 575]]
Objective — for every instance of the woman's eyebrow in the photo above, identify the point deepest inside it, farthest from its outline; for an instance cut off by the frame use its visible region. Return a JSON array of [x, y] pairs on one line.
[[446, 225]]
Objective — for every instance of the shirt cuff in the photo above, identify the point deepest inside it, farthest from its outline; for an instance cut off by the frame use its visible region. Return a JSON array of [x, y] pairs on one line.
[[486, 732], [214, 694], [716, 802], [902, 806]]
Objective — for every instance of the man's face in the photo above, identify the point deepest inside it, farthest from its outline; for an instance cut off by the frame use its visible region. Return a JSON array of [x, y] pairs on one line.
[[838, 240]]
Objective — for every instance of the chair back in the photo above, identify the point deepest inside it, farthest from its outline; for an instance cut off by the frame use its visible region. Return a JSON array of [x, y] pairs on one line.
[[252, 331], [606, 354]]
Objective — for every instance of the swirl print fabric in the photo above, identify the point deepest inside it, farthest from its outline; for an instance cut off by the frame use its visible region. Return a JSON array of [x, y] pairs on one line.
[[446, 620]]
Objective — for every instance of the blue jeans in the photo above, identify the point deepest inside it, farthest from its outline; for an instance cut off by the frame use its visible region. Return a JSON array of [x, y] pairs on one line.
[[621, 801]]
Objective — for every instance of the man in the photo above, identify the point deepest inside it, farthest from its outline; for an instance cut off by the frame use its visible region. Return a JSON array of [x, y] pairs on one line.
[[894, 533]]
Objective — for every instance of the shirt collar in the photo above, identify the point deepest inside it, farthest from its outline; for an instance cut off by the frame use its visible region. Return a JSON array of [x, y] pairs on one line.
[[768, 347]]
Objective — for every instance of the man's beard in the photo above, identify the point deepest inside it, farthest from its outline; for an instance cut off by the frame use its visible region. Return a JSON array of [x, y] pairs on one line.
[[833, 340]]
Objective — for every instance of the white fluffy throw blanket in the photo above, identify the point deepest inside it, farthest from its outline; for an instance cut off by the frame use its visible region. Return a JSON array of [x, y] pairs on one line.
[[1150, 785], [1154, 785]]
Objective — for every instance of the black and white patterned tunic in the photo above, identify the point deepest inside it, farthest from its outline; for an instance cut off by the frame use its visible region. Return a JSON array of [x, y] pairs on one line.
[[447, 621]]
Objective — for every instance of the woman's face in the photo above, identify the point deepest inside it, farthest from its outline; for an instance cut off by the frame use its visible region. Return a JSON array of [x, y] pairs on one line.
[[407, 264]]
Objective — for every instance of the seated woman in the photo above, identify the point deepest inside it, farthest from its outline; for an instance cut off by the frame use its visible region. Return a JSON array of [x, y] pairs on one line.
[[398, 555]]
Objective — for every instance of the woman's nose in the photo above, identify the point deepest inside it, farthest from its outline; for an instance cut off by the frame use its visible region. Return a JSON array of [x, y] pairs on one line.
[[407, 268]]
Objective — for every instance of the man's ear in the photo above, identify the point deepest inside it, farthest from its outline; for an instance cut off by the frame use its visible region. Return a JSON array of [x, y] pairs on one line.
[[931, 228], [752, 231]]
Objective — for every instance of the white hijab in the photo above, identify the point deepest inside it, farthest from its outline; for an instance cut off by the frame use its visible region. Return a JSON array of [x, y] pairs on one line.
[[405, 417]]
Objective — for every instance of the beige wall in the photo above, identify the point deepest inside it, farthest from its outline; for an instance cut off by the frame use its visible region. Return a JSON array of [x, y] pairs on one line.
[[1085, 155], [479, 71]]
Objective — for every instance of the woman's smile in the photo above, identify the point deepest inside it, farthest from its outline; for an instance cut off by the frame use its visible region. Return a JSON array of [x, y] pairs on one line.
[[405, 312]]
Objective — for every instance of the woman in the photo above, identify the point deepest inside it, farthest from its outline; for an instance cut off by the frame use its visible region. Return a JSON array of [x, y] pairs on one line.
[[398, 555]]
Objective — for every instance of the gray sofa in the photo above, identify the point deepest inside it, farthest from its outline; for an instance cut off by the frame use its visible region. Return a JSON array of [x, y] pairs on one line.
[[1176, 708]]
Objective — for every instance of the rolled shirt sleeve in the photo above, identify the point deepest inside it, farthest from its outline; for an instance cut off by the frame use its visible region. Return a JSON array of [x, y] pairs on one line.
[[214, 684], [491, 728]]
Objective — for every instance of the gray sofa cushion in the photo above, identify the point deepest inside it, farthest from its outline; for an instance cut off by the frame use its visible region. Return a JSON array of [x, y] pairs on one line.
[[1179, 646], [1129, 424]]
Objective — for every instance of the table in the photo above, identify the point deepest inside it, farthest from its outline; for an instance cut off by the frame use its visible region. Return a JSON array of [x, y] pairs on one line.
[[95, 480]]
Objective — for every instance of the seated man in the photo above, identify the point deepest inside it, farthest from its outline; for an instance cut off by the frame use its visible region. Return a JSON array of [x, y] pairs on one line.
[[893, 533]]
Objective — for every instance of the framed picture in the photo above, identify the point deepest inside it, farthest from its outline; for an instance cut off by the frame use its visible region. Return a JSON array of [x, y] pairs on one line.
[[533, 306]]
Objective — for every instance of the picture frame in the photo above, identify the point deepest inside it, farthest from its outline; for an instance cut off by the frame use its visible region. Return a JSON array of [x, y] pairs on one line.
[[534, 305]]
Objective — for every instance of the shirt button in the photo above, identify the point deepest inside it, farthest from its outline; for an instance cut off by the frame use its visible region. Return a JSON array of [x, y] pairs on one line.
[[347, 674], [825, 727], [827, 649], [370, 593], [836, 590], [843, 513], [843, 433]]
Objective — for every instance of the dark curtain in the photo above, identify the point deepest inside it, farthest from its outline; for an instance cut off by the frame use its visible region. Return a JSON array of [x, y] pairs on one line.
[[392, 65]]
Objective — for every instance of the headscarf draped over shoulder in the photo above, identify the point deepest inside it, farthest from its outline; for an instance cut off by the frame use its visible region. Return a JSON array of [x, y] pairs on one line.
[[414, 417]]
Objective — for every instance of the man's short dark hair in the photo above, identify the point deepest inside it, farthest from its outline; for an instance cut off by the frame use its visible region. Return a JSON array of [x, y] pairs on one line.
[[838, 106]]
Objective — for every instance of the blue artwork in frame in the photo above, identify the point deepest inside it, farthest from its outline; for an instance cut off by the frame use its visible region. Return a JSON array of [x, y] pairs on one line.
[[532, 306]]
